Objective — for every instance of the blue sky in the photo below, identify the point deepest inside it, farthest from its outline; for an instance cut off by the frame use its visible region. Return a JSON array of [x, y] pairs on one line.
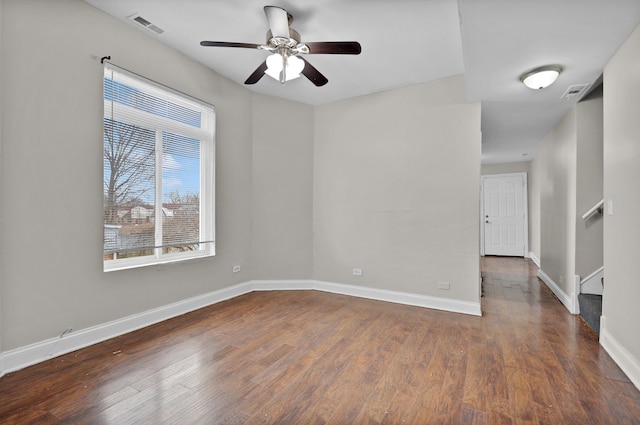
[[181, 165]]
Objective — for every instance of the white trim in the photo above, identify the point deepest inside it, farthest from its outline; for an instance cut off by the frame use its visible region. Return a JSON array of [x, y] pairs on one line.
[[482, 216], [566, 300], [44, 350], [629, 363], [574, 296], [525, 206], [534, 258], [592, 284], [446, 304], [594, 274], [282, 285], [205, 134], [153, 260]]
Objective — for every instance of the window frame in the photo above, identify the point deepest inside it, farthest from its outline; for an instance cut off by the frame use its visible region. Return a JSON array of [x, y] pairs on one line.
[[206, 134]]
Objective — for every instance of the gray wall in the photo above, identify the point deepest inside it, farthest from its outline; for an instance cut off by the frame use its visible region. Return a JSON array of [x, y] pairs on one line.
[[589, 181], [621, 176], [554, 170], [408, 198], [51, 178], [396, 190], [566, 182], [506, 168], [282, 240]]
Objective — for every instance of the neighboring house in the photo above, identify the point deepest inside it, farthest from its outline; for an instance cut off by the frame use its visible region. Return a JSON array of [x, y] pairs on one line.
[[124, 214], [141, 214], [130, 230]]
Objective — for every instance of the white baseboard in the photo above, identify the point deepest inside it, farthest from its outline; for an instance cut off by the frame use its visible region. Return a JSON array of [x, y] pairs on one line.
[[282, 285], [44, 350], [570, 302], [574, 296], [445, 304], [629, 363], [535, 259], [397, 297]]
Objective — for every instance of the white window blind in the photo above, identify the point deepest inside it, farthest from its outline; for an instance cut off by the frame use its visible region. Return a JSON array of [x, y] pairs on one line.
[[159, 158]]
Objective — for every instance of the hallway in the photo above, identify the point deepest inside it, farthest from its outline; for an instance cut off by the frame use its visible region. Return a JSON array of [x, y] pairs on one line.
[[547, 361]]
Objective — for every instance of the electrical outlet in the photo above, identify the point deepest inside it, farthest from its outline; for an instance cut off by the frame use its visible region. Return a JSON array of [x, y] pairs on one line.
[[357, 272], [561, 280], [444, 285], [236, 269]]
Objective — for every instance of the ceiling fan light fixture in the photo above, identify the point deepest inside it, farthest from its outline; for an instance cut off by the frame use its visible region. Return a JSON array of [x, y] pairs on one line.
[[541, 77], [294, 66], [284, 43]]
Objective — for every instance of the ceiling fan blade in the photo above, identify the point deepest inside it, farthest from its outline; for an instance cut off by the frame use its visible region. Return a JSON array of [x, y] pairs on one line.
[[334, 47], [228, 44], [313, 74], [278, 21], [257, 74]]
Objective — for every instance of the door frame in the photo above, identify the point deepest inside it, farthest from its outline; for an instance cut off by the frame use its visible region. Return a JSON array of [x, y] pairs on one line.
[[525, 208]]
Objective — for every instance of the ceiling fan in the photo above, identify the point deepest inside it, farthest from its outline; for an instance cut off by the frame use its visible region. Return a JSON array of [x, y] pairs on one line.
[[285, 62]]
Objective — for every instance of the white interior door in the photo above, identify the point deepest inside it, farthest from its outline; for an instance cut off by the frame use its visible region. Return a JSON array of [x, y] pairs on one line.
[[504, 214]]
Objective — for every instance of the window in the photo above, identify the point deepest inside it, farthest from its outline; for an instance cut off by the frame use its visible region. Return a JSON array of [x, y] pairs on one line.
[[159, 157]]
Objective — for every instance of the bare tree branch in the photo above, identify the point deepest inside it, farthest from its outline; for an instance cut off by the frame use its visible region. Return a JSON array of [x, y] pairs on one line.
[[129, 157]]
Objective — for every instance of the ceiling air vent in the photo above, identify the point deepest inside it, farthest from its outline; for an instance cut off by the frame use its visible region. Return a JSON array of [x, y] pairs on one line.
[[146, 24], [575, 91]]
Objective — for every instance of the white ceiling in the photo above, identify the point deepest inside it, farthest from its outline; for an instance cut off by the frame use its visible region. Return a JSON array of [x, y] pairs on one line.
[[406, 42]]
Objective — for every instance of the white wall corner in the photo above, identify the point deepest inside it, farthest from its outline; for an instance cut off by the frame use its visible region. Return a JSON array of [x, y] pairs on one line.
[[629, 363], [574, 297], [534, 258], [565, 299]]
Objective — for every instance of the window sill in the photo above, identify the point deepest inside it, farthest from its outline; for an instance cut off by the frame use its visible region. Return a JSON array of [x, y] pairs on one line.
[[134, 263]]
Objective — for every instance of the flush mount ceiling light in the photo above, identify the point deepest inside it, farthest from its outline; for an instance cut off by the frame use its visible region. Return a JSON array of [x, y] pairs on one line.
[[541, 77]]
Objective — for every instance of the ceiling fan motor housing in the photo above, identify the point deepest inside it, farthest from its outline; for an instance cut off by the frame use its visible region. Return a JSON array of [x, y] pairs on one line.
[[292, 41]]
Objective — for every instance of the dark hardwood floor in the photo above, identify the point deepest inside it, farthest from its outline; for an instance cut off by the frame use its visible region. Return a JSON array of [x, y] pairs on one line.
[[310, 357]]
